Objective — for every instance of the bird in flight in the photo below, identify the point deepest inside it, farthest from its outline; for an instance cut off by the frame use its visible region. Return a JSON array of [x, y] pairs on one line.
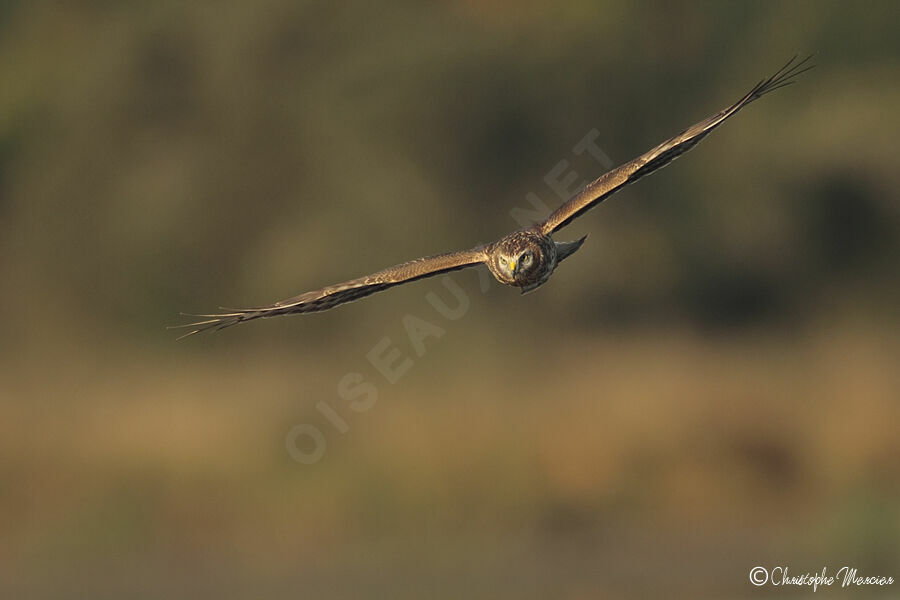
[[525, 258]]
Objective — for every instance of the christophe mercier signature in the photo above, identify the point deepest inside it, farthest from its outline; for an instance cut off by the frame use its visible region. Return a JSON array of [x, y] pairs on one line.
[[845, 577]]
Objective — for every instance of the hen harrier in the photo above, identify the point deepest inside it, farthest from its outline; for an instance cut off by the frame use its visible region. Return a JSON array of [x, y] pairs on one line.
[[525, 258]]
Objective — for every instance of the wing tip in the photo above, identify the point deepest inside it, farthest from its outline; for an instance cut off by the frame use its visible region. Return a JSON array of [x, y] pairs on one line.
[[784, 76], [212, 322]]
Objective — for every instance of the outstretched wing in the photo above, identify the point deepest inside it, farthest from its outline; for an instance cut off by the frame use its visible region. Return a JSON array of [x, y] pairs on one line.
[[341, 293], [611, 182]]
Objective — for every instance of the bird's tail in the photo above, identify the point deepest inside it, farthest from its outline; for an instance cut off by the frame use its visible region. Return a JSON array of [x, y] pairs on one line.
[[567, 249]]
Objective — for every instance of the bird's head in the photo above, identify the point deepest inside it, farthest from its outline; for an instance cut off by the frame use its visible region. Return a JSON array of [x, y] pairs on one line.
[[516, 263], [515, 258]]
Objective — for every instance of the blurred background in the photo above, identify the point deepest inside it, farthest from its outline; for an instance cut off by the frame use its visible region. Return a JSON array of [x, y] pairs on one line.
[[710, 384]]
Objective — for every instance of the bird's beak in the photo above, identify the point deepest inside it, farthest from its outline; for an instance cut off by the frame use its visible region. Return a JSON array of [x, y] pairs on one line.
[[513, 265]]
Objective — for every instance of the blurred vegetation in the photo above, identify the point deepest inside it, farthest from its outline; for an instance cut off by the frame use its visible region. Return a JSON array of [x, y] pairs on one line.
[[708, 385]]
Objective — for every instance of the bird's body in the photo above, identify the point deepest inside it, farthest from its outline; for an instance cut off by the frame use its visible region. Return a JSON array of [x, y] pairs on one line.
[[525, 258]]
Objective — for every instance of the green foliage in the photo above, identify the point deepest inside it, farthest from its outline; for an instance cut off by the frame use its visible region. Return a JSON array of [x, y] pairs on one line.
[[195, 157]]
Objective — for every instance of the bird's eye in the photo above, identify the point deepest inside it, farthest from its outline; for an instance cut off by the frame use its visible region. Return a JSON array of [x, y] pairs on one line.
[[502, 260]]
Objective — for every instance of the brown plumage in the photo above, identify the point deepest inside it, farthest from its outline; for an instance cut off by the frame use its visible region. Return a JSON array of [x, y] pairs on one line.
[[609, 183], [525, 258]]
